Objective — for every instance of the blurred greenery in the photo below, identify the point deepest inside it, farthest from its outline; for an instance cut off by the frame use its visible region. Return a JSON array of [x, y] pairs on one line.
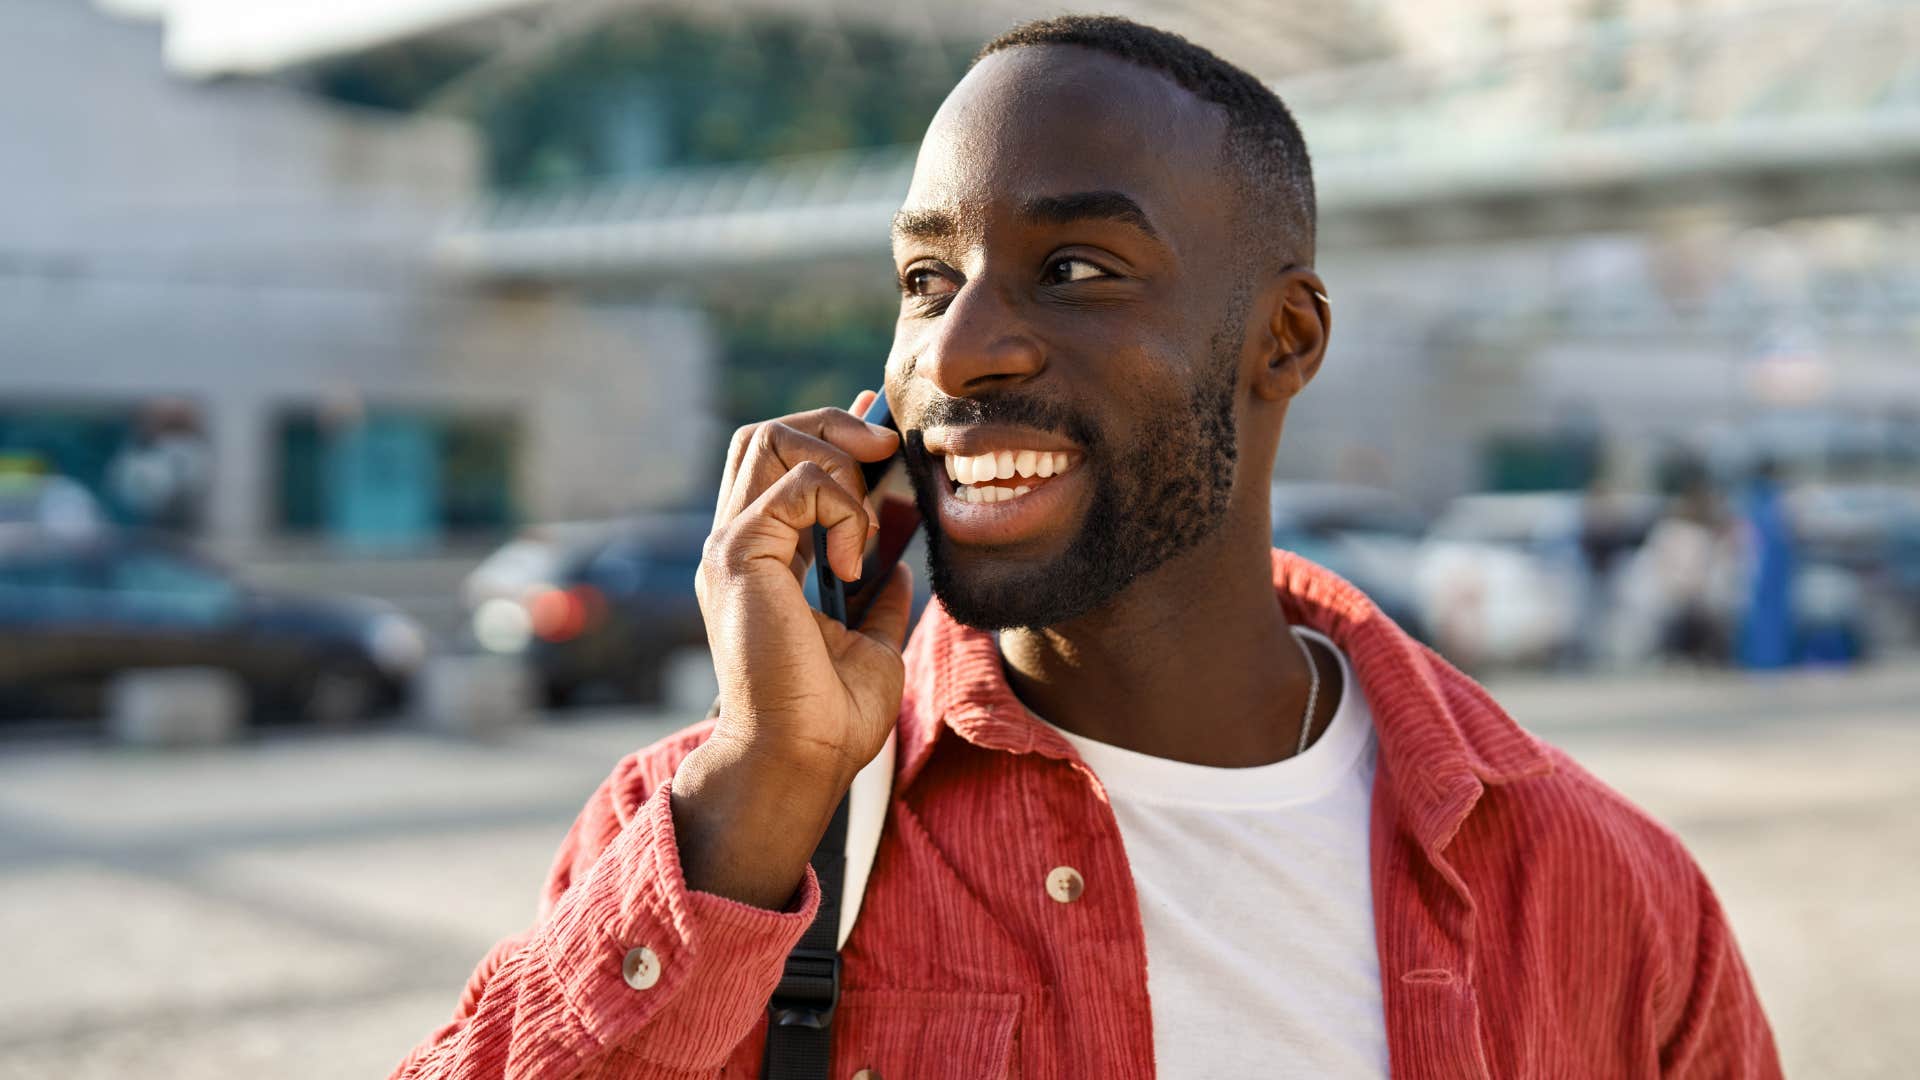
[[647, 90], [653, 90]]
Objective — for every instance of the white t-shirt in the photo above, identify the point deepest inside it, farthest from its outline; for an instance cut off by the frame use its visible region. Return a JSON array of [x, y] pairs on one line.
[[1255, 890]]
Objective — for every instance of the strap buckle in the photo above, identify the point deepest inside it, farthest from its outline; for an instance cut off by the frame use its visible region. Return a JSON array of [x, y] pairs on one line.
[[809, 989]]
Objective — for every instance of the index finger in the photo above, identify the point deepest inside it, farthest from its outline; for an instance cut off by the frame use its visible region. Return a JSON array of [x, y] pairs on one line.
[[864, 441]]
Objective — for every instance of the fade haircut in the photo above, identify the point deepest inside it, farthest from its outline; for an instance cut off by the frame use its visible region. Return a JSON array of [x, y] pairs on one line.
[[1264, 152]]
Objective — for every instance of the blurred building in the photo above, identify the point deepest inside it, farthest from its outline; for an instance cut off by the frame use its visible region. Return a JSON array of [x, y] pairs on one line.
[[1561, 237], [220, 313]]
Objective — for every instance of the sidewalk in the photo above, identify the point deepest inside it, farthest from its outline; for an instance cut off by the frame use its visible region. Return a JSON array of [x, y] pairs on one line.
[[309, 906]]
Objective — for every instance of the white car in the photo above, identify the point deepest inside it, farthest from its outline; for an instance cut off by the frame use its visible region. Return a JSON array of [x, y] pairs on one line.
[[1501, 579]]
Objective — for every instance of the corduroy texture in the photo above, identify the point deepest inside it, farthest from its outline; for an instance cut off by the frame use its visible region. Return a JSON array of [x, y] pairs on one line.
[[1531, 922]]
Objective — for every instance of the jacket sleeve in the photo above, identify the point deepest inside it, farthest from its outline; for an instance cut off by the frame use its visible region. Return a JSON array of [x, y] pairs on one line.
[[1722, 1032], [555, 1001]]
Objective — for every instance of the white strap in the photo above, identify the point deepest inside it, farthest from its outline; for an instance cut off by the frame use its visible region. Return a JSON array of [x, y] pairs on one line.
[[866, 815]]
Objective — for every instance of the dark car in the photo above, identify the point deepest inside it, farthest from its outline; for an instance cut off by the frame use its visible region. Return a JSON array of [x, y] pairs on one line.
[[74, 613], [595, 608]]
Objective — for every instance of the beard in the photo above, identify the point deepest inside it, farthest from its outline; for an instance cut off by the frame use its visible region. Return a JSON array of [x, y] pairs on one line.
[[1162, 496]]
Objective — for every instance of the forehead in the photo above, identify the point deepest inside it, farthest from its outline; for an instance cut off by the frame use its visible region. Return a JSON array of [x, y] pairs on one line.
[[1039, 121]]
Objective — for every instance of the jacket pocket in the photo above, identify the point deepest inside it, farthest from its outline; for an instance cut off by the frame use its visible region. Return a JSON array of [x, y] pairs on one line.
[[925, 1034]]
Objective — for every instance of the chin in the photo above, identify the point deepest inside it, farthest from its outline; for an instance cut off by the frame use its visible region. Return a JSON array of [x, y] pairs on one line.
[[996, 593]]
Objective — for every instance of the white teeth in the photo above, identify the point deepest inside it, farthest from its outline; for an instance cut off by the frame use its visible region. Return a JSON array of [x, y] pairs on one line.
[[990, 494], [971, 473]]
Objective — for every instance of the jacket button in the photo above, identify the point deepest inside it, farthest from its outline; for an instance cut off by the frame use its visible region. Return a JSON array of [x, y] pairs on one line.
[[1064, 884], [641, 968]]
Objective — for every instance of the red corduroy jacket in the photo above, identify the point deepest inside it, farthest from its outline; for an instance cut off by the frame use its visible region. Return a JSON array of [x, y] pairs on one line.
[[1531, 922]]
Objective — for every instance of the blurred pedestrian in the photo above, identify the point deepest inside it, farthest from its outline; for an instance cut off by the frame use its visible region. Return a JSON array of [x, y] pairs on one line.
[[1686, 553], [1767, 624], [160, 477]]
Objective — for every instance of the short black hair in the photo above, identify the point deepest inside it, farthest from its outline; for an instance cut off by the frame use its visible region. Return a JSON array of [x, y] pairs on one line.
[[1264, 147]]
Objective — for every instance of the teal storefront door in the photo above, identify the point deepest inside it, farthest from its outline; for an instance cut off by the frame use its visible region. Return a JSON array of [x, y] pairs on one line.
[[383, 484]]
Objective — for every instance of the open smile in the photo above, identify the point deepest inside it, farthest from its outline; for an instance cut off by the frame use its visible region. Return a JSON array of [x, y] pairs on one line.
[[999, 491]]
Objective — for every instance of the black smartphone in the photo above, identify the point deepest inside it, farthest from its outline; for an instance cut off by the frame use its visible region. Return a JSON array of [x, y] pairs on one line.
[[899, 519]]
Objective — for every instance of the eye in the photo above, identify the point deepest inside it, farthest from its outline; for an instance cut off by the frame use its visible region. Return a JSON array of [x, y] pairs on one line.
[[925, 281], [1062, 271]]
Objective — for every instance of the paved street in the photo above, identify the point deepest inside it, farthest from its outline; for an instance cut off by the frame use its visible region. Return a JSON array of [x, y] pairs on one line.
[[309, 906]]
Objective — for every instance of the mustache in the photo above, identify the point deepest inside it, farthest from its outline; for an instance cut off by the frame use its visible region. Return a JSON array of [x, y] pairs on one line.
[[1023, 411]]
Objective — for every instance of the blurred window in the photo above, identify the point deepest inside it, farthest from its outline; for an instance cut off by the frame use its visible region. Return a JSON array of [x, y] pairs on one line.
[[394, 476], [618, 569], [626, 567], [48, 586], [1558, 462], [74, 440], [673, 572], [161, 585]]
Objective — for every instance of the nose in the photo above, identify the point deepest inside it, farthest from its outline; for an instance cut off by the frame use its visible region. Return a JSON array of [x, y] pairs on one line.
[[978, 344]]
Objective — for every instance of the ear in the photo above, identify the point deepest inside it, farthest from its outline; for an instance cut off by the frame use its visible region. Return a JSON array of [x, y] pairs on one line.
[[1299, 318]]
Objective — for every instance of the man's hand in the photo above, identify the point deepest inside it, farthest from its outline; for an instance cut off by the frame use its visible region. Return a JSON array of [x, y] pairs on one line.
[[804, 701]]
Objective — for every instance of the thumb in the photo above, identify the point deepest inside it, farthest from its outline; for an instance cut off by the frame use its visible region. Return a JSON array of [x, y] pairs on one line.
[[886, 620]]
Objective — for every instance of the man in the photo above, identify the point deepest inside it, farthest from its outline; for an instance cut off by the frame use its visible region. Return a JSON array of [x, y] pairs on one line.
[[1107, 853]]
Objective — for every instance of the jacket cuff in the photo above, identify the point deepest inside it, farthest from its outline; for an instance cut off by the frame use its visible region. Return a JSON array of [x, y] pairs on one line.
[[713, 961]]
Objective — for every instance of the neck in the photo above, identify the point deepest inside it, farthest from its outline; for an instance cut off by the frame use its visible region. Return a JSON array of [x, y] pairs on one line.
[[1191, 662]]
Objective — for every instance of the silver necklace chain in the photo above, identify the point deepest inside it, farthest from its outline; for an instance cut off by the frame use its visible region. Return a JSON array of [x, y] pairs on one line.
[[1313, 692]]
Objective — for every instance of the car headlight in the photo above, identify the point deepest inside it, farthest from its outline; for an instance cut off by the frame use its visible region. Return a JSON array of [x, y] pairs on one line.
[[502, 626], [396, 643]]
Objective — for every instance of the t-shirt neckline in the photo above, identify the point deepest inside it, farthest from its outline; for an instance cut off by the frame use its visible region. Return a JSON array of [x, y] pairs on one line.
[[1144, 778]]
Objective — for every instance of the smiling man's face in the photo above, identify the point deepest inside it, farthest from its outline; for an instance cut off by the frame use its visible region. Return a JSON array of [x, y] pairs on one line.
[[1066, 363]]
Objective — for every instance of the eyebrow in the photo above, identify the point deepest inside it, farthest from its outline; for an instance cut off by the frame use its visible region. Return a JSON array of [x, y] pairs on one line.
[[924, 225], [1046, 209], [1089, 206]]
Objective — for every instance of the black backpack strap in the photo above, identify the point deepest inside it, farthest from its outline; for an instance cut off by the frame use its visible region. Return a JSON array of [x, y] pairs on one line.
[[800, 1013]]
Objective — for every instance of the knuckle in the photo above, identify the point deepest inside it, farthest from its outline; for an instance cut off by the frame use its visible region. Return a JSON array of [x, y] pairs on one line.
[[725, 560]]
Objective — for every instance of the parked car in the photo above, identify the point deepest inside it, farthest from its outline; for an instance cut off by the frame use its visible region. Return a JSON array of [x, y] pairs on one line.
[[1367, 535], [1502, 578], [1872, 531], [74, 613], [596, 608]]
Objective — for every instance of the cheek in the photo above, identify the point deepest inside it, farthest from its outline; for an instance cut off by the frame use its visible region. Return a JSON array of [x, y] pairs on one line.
[[1132, 383]]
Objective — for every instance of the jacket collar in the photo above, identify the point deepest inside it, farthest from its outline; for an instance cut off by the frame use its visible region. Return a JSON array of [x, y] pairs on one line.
[[1442, 738]]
